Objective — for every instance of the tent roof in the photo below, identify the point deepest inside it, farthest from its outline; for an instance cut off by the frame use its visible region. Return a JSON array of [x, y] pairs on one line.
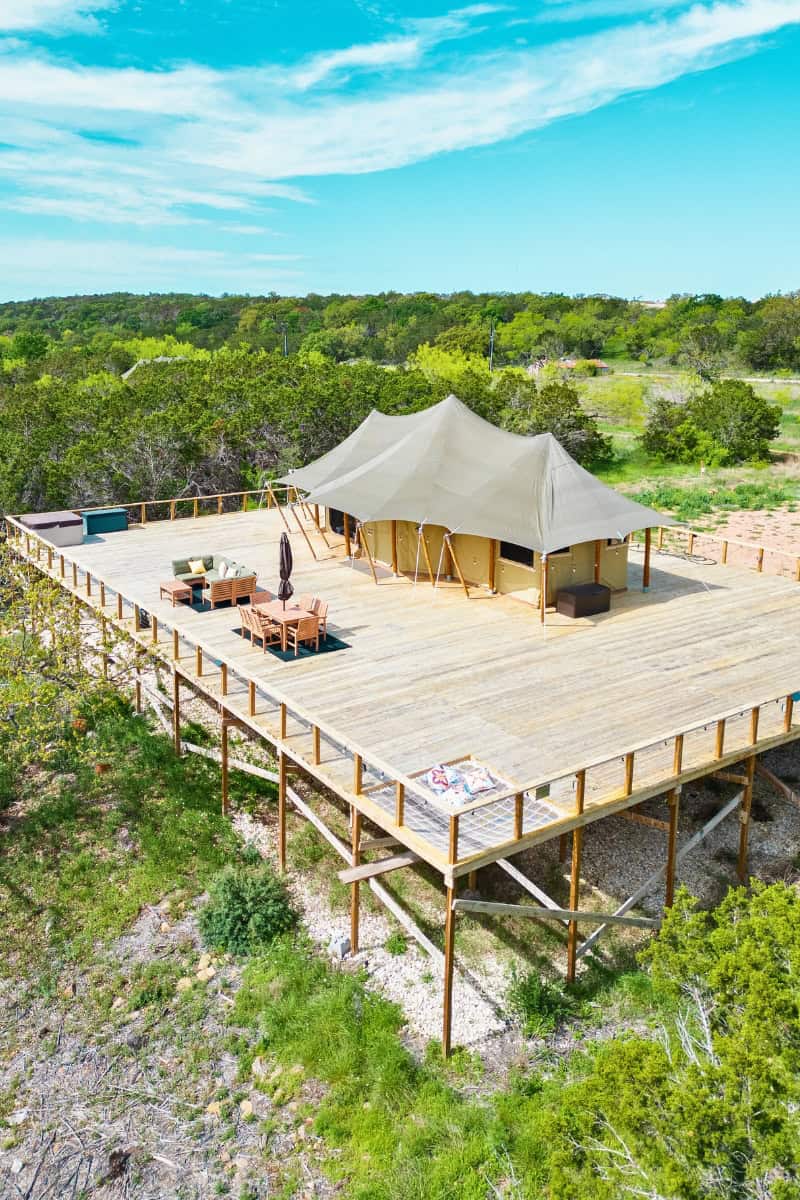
[[447, 466]]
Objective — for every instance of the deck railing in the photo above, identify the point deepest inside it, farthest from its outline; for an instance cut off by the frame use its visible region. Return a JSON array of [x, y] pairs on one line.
[[687, 539], [602, 785]]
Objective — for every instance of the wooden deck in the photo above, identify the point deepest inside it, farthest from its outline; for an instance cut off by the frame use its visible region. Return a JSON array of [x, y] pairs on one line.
[[428, 676]]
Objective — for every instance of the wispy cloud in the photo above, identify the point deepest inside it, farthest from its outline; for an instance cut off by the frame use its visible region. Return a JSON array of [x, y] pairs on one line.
[[176, 144], [51, 16]]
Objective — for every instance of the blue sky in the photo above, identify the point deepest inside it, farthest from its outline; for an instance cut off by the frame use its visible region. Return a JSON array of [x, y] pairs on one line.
[[624, 146]]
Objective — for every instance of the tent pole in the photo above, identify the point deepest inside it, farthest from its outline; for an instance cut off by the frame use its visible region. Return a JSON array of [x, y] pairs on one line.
[[598, 549], [648, 538], [462, 580], [347, 549], [365, 544], [428, 563], [544, 587], [492, 564], [394, 548], [304, 532]]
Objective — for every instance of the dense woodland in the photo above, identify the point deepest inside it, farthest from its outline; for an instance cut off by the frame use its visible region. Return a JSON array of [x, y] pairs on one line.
[[704, 333]]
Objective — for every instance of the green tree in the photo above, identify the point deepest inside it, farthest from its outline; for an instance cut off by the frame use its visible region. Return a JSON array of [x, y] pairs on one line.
[[30, 345]]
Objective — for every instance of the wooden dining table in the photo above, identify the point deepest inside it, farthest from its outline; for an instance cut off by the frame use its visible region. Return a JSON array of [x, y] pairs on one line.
[[292, 614]]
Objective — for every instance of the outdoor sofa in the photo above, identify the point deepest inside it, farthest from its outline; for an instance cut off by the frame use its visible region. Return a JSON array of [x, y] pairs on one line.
[[224, 578]]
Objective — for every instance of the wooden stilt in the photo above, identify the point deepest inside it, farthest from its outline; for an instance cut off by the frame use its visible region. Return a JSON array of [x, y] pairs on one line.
[[176, 650], [562, 848], [347, 548], [176, 711], [744, 820], [282, 773], [394, 548], [673, 799], [447, 1005], [575, 877], [224, 766], [355, 899], [648, 537], [251, 699], [472, 881], [119, 606]]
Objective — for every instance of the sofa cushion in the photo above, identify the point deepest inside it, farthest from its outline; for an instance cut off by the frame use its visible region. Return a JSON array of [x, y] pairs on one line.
[[180, 566]]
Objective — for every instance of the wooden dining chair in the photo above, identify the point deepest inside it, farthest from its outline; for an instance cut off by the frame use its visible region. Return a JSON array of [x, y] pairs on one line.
[[306, 630], [305, 601], [320, 610]]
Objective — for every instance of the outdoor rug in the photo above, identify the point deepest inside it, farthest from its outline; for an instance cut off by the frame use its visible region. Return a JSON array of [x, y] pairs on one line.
[[327, 645]]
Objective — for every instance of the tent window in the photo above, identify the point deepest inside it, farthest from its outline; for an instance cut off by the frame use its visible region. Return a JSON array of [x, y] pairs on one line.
[[563, 550], [615, 541], [517, 554]]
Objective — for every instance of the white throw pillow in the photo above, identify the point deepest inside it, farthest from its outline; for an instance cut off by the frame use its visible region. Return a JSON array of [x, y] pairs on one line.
[[223, 570]]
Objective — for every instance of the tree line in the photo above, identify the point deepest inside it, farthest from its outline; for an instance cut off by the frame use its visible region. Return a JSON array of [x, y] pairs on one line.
[[703, 333]]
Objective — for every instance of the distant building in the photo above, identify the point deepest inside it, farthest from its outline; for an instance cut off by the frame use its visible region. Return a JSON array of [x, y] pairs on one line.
[[569, 364], [143, 362]]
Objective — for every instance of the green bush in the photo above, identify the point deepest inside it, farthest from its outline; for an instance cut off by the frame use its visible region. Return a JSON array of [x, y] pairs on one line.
[[246, 910], [396, 944], [725, 424], [8, 786], [540, 1004]]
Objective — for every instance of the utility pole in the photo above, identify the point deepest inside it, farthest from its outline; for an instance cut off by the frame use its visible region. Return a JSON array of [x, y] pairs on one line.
[[283, 328], [491, 346]]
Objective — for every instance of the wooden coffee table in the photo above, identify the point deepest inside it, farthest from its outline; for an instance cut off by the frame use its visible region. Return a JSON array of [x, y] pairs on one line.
[[176, 590]]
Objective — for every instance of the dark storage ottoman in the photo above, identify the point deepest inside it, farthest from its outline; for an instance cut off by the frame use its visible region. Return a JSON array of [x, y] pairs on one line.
[[583, 600], [105, 520], [59, 528]]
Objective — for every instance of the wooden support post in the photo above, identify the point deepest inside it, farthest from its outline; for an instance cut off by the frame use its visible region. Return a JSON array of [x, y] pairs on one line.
[[562, 848], [673, 799], [472, 881], [176, 648], [137, 618], [102, 594], [724, 555], [172, 510], [347, 548], [355, 826], [543, 598], [195, 508], [598, 551], [62, 566], [143, 513], [394, 548], [629, 760], [49, 558], [677, 757], [519, 812], [223, 680], [661, 537], [88, 583], [719, 741], [74, 575], [575, 877], [447, 999], [797, 571], [426, 554], [282, 722], [244, 501], [198, 661], [315, 747], [744, 820], [224, 766], [358, 773], [119, 606], [690, 543], [760, 566], [251, 699], [176, 712], [282, 773], [219, 506], [754, 715], [452, 856], [154, 629], [399, 803], [492, 564], [788, 713], [648, 535]]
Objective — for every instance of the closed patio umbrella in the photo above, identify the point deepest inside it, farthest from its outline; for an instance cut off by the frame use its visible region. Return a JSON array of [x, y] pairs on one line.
[[285, 590]]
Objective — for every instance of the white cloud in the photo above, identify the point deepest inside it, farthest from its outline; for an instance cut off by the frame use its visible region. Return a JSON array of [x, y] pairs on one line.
[[51, 15], [169, 145]]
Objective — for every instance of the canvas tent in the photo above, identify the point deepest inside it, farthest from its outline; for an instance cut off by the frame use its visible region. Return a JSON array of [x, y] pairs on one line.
[[447, 467]]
